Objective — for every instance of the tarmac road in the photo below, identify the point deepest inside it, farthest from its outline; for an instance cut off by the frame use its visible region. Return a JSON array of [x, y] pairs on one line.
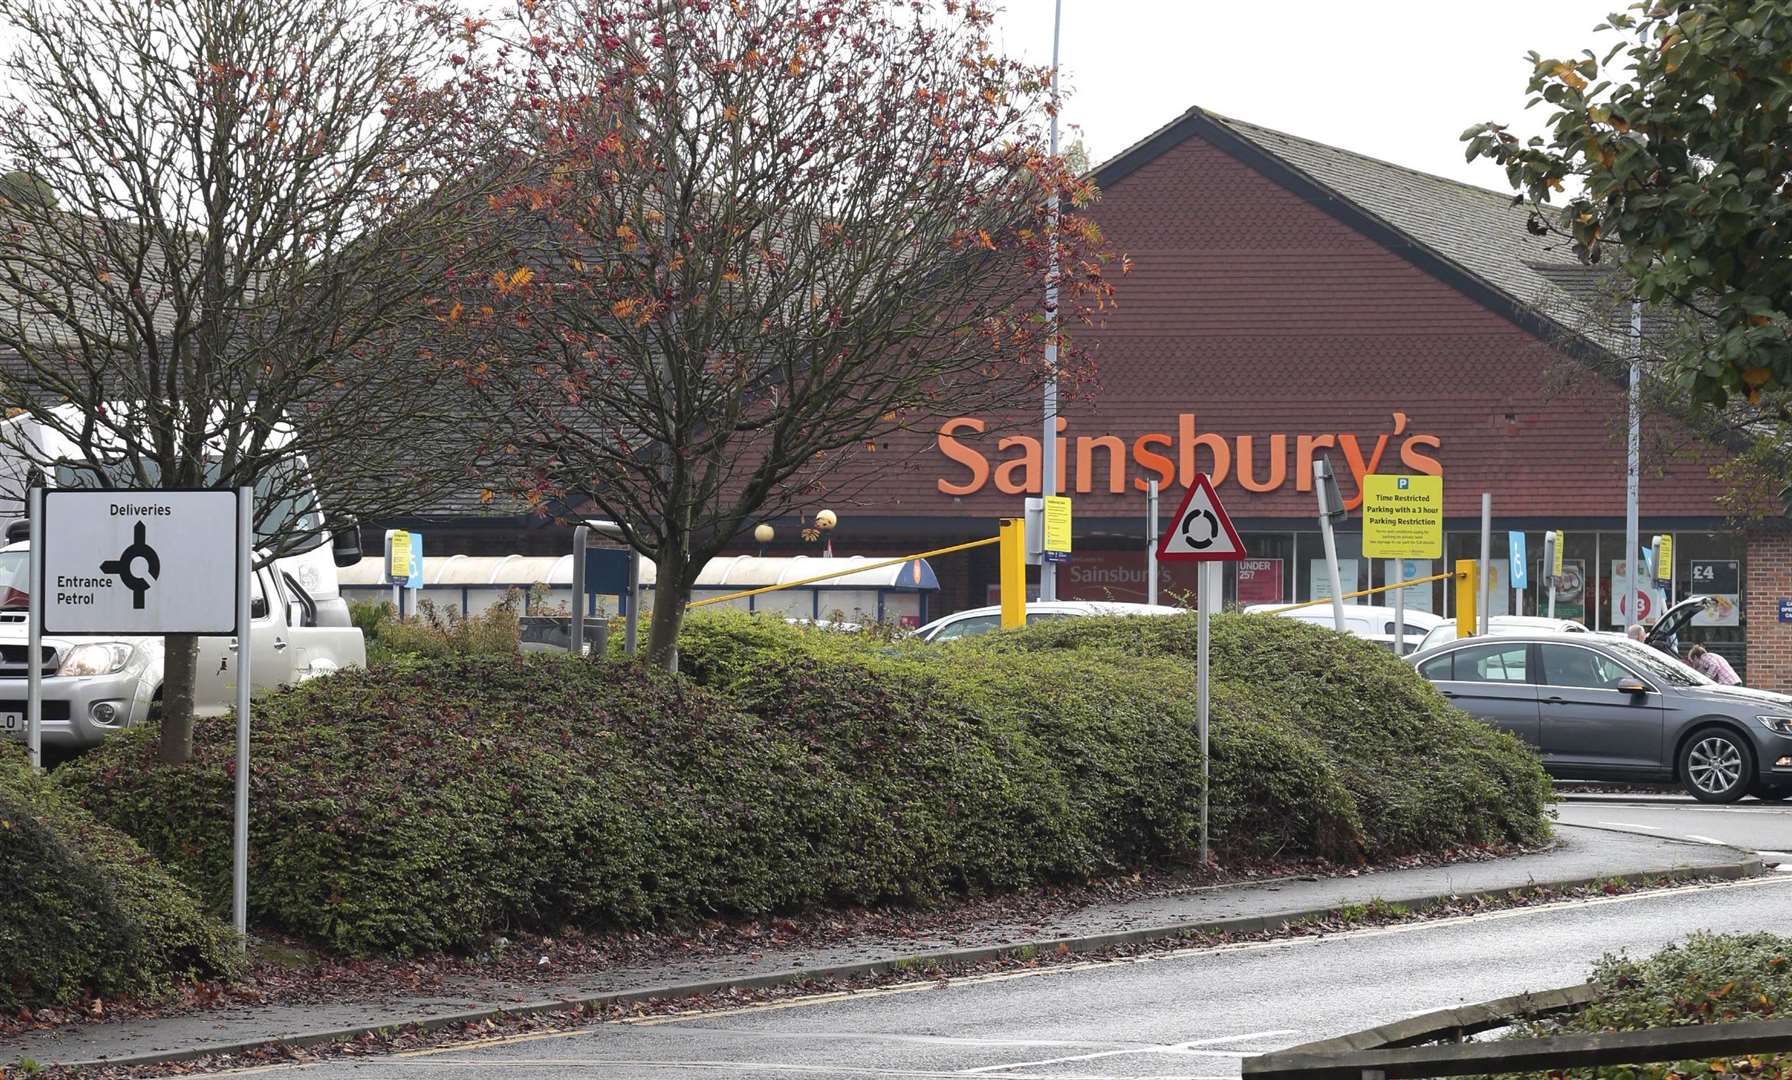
[[1750, 825], [1191, 1014]]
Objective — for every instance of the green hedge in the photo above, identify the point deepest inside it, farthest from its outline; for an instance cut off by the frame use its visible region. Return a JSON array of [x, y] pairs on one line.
[[427, 805], [1706, 979], [1421, 774], [86, 911]]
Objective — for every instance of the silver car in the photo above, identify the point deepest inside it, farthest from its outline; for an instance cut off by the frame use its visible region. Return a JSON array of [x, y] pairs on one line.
[[1601, 707]]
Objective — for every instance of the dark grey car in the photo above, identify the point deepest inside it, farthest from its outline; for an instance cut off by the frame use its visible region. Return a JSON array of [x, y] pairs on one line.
[[1600, 707]]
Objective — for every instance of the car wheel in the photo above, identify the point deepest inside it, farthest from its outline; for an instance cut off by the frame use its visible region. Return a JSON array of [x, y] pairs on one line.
[[1716, 766]]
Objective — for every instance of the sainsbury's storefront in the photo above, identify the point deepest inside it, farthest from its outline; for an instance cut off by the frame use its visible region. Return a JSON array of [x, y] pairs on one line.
[[1289, 299]]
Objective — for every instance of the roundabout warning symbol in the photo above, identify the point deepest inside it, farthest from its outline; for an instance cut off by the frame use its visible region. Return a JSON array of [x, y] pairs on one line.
[[1200, 531], [124, 566]]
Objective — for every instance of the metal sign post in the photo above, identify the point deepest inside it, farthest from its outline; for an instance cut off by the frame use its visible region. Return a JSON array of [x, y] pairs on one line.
[[580, 537], [1486, 558], [1200, 531], [1151, 541], [152, 563], [245, 546], [34, 618]]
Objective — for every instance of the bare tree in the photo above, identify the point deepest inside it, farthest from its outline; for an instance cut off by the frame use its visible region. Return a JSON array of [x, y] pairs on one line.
[[764, 235], [216, 275]]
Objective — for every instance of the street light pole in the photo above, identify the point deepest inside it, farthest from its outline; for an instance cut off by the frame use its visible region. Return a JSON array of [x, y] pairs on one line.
[[1048, 457], [1633, 465]]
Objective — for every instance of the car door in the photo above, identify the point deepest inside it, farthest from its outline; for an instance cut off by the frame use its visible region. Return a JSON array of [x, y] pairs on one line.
[[1587, 721], [214, 691], [1490, 681]]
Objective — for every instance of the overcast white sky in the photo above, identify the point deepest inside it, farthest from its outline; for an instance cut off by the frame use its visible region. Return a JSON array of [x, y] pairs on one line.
[[1394, 79]]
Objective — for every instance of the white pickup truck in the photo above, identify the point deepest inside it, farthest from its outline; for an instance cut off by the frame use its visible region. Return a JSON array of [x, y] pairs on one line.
[[95, 686]]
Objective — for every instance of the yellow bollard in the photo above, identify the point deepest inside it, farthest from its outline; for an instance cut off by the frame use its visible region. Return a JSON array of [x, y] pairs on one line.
[[1467, 595], [1012, 559]]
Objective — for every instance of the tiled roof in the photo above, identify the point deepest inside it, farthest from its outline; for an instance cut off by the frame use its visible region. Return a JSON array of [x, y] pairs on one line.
[[1474, 230]]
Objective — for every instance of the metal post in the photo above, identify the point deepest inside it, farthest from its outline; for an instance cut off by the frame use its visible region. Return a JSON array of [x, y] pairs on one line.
[[1632, 465], [1048, 457], [245, 541], [1206, 585], [1486, 559], [1399, 592], [581, 536], [1151, 541], [633, 619], [1552, 597], [1323, 484], [34, 635]]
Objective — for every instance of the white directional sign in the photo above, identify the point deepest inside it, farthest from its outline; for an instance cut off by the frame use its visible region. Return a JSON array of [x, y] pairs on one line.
[[1200, 531], [139, 562]]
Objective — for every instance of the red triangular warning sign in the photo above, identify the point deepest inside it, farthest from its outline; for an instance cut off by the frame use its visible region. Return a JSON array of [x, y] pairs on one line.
[[1200, 531]]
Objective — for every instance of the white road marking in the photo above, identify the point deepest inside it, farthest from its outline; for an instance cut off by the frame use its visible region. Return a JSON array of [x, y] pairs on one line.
[[1632, 825], [1192, 953], [1193, 1048], [771, 1067], [1704, 839]]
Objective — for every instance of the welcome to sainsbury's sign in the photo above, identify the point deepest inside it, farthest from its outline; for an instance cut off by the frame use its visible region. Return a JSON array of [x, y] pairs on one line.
[[1087, 463]]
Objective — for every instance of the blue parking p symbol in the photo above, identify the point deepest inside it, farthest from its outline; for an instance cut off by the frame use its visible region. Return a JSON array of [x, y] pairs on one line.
[[1401, 483]]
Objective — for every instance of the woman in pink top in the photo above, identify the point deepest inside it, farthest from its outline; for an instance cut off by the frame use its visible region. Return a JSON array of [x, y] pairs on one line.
[[1712, 666]]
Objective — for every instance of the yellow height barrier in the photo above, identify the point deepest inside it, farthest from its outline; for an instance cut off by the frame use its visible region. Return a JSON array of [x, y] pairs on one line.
[[1457, 574], [873, 566], [1013, 563]]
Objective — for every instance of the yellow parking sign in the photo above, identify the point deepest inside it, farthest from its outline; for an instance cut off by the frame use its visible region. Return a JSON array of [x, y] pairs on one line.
[[1057, 528], [1403, 517]]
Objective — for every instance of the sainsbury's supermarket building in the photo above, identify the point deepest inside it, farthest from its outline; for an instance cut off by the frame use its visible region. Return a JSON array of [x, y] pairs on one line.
[[1288, 299]]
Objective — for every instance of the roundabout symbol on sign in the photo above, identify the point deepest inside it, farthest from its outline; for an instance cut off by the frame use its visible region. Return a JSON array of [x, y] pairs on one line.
[[1200, 530]]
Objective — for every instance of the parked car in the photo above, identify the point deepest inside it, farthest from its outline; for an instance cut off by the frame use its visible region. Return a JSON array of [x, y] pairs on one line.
[[95, 686], [1498, 625], [1665, 634], [984, 619], [1367, 621], [1603, 707]]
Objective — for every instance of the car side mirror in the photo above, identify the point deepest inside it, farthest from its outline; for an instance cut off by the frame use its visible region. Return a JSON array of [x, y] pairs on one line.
[[345, 547], [1633, 686]]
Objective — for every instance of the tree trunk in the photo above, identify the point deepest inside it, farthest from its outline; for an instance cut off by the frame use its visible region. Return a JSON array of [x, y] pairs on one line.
[[670, 596], [180, 672]]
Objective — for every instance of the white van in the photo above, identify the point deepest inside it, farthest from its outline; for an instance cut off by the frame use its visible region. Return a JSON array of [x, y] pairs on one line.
[[1366, 621]]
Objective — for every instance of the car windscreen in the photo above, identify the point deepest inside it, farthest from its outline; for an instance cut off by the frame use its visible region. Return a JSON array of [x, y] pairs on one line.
[[1657, 664], [15, 572]]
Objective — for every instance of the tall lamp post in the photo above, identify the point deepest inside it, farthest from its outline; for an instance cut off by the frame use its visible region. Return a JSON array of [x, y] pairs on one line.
[[1048, 479]]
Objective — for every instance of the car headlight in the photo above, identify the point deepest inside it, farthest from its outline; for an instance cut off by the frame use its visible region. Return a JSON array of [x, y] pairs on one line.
[[1779, 725], [97, 658]]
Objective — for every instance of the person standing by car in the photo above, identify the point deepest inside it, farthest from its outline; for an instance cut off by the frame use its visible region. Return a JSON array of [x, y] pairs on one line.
[[1712, 666]]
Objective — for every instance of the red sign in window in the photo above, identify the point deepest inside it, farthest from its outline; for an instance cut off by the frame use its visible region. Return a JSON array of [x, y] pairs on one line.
[[1259, 581]]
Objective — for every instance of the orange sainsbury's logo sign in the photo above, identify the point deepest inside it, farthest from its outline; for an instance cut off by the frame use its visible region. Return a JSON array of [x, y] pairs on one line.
[[1087, 463]]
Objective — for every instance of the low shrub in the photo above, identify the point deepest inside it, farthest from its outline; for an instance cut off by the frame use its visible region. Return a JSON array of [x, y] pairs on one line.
[[1706, 979], [437, 631], [426, 805], [1420, 773], [87, 912]]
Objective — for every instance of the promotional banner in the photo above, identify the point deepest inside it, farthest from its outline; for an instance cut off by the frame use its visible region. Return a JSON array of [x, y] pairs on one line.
[[1321, 589], [1649, 600], [1417, 597], [1259, 581], [1571, 591], [1720, 579]]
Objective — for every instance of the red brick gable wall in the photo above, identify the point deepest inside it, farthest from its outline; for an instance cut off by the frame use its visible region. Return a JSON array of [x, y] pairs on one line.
[[1263, 316]]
